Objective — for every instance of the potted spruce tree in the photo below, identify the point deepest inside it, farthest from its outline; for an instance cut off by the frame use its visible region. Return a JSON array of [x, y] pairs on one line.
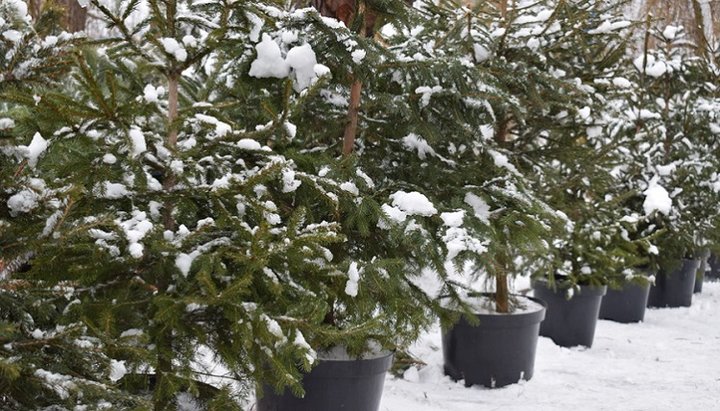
[[45, 360], [430, 128], [606, 247], [670, 156], [706, 126], [628, 285], [144, 191], [405, 226], [436, 195], [565, 52], [711, 100], [373, 305], [574, 155]]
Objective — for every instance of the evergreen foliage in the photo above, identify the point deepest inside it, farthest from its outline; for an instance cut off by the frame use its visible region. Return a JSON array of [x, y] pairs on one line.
[[178, 193], [47, 359], [578, 50], [136, 187], [426, 131], [668, 124]]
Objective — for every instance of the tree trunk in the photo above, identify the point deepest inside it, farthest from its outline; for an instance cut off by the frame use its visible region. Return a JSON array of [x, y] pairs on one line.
[[164, 369], [165, 340], [353, 111], [75, 16], [700, 20], [502, 293], [34, 6], [699, 30], [164, 337], [503, 5]]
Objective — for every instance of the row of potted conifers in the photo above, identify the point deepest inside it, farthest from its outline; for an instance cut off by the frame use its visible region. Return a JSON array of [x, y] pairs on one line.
[[501, 349]]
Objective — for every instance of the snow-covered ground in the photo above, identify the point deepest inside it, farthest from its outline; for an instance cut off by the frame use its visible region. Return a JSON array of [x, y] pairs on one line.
[[669, 362]]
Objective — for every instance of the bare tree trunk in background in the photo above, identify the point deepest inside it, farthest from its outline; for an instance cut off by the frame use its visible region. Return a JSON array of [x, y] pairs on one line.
[[715, 17], [75, 16], [699, 30], [503, 5], [700, 18], [35, 6]]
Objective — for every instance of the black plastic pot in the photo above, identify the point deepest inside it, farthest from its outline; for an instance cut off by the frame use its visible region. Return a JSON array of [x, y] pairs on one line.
[[699, 278], [347, 385], [714, 271], [497, 352], [570, 322], [625, 305], [674, 288]]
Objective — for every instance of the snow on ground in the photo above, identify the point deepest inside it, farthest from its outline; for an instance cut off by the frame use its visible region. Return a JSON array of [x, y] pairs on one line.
[[669, 362]]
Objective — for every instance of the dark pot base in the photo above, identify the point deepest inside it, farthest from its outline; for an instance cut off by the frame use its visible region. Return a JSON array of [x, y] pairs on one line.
[[702, 269], [626, 305], [674, 289], [697, 289], [352, 385], [572, 322], [714, 272], [498, 352]]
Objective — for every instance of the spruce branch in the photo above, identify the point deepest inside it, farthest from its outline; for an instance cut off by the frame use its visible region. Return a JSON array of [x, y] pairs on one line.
[[120, 24]]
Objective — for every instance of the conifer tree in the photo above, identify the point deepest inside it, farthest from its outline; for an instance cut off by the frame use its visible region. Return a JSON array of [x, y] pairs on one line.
[[374, 295], [667, 121], [463, 116], [578, 51], [158, 201], [425, 139], [524, 109], [45, 360], [144, 189]]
